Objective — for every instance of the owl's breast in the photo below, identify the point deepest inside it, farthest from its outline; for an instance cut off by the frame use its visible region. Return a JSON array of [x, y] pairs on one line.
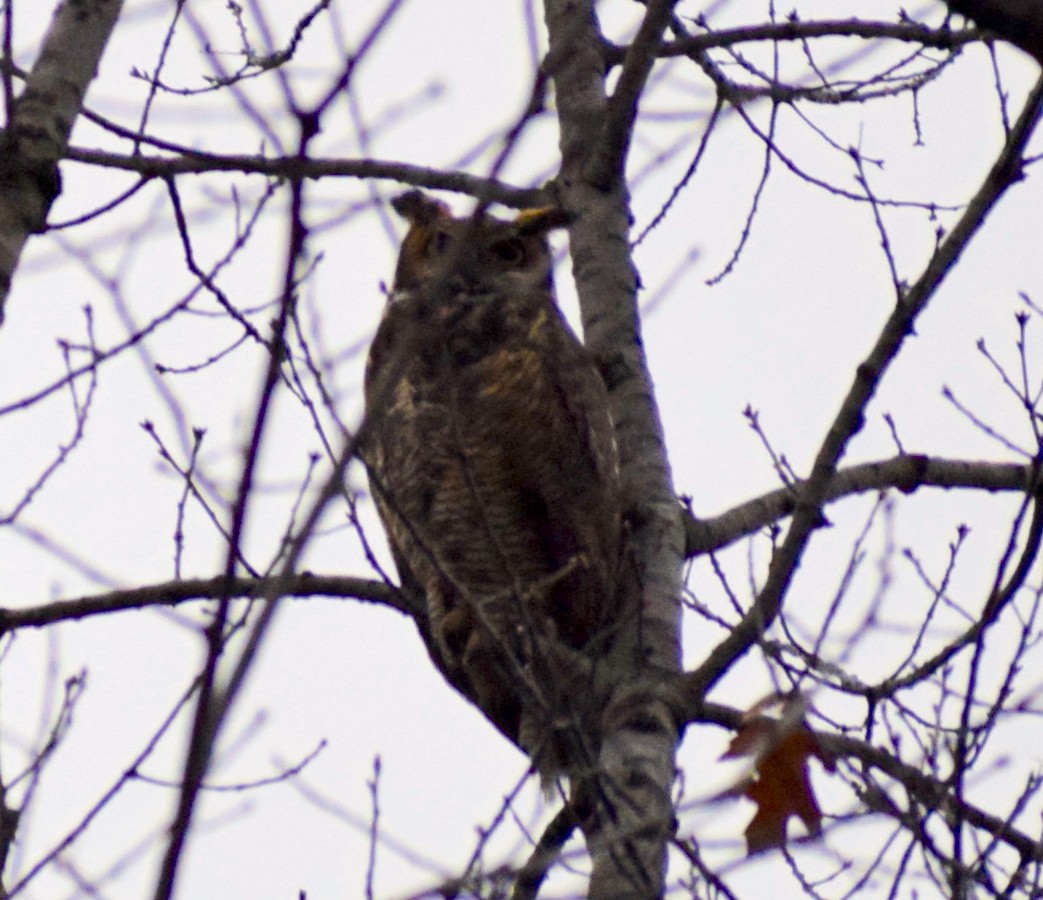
[[473, 326]]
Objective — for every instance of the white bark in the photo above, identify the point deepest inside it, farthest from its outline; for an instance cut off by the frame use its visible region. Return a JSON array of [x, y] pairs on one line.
[[629, 818], [41, 121]]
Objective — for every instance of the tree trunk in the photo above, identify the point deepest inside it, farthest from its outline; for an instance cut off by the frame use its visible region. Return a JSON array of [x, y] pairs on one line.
[[630, 818]]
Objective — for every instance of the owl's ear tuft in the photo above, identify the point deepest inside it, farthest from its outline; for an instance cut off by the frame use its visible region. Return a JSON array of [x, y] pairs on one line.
[[419, 209], [542, 219]]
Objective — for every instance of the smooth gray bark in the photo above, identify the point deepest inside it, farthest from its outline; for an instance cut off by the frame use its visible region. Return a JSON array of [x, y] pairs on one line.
[[41, 121]]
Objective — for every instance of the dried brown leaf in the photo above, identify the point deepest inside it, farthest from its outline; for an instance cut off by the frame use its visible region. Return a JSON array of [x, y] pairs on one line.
[[778, 783]]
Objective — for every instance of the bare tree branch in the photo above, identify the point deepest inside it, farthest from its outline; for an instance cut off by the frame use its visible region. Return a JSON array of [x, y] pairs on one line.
[[932, 793], [808, 512], [1017, 21], [41, 122], [213, 704], [608, 163], [174, 593], [794, 30], [905, 473], [195, 163]]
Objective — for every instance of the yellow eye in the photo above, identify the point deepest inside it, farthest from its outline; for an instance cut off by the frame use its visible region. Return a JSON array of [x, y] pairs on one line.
[[509, 251]]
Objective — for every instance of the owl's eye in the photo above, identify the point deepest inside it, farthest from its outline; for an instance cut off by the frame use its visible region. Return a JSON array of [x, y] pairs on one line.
[[509, 251]]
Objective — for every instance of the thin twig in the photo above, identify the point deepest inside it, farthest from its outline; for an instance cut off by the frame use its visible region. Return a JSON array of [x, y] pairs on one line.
[[808, 512]]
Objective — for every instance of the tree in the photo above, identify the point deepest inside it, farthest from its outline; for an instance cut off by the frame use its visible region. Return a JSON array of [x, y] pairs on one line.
[[224, 291]]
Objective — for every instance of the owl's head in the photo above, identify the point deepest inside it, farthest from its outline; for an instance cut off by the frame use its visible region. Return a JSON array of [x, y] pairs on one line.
[[473, 252]]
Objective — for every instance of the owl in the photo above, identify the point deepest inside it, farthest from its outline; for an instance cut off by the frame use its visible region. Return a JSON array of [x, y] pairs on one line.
[[492, 459]]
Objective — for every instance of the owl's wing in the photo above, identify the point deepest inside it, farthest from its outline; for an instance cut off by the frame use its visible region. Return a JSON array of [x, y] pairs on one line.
[[391, 440]]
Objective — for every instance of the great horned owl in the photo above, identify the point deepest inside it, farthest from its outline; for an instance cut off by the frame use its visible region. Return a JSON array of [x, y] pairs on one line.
[[492, 459]]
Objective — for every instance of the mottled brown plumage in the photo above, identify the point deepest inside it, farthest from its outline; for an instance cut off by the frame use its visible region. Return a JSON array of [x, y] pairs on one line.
[[493, 463]]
